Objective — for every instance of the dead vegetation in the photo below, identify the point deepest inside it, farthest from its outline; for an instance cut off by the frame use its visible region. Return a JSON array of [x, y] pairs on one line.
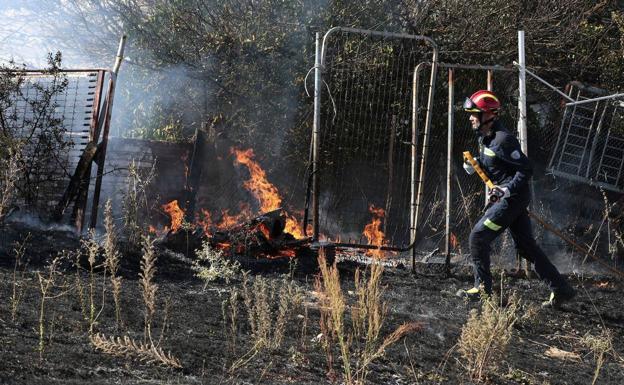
[[486, 335]]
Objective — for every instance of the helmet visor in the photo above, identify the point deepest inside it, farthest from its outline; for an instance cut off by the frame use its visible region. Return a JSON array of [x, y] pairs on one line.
[[469, 106]]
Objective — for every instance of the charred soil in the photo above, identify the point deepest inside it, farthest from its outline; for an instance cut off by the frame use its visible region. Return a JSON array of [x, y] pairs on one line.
[[193, 323]]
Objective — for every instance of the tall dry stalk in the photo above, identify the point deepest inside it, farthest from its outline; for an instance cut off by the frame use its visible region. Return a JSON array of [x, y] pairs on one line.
[[486, 335], [91, 247], [148, 287], [332, 305], [269, 307], [112, 259], [18, 276], [9, 176], [80, 290], [129, 348], [359, 341], [46, 283]]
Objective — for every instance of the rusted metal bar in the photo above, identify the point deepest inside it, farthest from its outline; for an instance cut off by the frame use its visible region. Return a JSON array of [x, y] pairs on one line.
[[80, 207], [316, 138], [578, 247], [107, 116], [449, 163], [414, 161]]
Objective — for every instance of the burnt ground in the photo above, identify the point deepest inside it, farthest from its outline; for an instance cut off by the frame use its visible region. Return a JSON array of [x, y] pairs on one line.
[[189, 324]]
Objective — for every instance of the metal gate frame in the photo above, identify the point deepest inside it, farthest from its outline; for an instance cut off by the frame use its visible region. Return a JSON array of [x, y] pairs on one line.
[[319, 66], [596, 157], [418, 182]]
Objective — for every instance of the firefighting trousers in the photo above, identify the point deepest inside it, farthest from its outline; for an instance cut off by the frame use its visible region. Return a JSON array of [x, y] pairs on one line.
[[509, 213]]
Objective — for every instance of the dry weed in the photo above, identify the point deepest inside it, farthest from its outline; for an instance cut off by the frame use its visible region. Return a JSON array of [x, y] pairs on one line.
[[486, 335], [600, 345], [359, 341], [135, 202], [91, 247], [148, 287], [18, 277], [128, 348], [112, 258], [47, 282], [9, 176], [219, 267], [269, 306]]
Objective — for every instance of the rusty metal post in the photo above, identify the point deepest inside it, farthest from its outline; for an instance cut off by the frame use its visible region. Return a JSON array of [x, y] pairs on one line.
[[94, 132], [414, 165], [426, 136], [107, 111], [316, 137], [449, 163]]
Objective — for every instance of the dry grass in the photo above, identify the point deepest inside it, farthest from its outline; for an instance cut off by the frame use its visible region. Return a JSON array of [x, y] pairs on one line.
[[91, 247], [112, 259], [486, 335], [19, 269], [128, 348], [148, 287], [600, 345], [269, 307], [359, 342], [135, 203], [9, 176], [47, 282]]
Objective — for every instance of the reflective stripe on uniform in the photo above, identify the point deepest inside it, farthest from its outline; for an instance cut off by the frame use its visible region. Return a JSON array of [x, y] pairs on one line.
[[491, 225], [488, 152]]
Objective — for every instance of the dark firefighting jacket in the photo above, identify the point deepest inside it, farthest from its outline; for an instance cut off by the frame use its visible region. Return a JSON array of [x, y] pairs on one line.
[[504, 162]]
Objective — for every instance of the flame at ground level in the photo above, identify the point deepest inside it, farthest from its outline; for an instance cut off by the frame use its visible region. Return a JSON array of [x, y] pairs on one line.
[[373, 232], [176, 213]]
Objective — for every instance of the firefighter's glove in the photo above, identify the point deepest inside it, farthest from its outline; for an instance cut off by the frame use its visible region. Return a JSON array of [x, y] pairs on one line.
[[498, 193], [468, 168]]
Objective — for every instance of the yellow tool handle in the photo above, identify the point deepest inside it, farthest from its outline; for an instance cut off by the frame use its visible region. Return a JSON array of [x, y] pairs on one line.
[[478, 169]]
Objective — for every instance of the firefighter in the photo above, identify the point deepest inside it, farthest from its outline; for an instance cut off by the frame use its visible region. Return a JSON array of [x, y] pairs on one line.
[[507, 166]]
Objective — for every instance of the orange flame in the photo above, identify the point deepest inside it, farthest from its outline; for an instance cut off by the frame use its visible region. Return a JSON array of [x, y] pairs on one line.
[[176, 213], [292, 227], [454, 241], [266, 193], [373, 233], [204, 220], [265, 231]]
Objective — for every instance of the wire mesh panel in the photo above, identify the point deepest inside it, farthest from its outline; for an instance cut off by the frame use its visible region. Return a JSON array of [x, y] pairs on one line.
[[365, 145], [467, 191], [54, 116], [590, 142]]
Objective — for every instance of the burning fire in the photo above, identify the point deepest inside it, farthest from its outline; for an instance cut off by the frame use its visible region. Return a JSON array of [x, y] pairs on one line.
[[176, 213], [372, 231], [258, 184], [454, 241], [204, 220], [266, 193]]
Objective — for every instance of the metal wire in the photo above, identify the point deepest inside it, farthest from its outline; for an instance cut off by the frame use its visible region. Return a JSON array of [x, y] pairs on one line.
[[364, 160]]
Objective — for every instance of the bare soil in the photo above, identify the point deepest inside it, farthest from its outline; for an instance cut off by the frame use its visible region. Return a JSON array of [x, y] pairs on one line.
[[190, 325]]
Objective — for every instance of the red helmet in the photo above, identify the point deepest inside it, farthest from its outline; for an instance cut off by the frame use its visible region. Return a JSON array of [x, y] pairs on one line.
[[482, 101]]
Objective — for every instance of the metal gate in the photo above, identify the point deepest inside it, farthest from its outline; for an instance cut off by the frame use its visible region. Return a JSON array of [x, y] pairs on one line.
[[590, 144], [364, 140]]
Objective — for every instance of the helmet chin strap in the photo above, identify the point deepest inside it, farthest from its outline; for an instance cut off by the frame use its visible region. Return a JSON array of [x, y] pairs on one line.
[[482, 123]]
